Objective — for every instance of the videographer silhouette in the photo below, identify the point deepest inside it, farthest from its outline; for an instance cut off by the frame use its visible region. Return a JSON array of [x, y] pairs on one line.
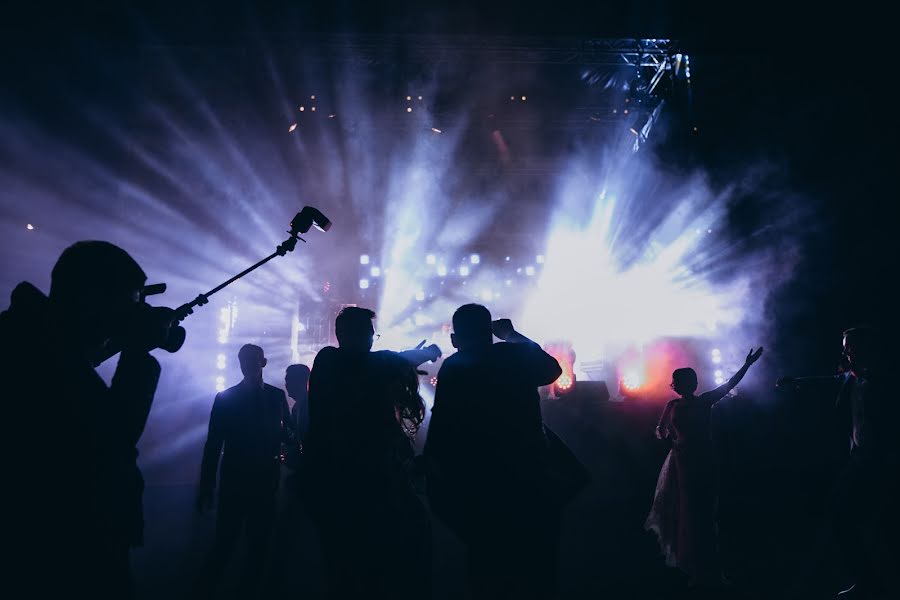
[[73, 491]]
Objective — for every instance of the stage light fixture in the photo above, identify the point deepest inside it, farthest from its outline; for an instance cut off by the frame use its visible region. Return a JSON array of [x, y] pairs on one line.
[[529, 270], [363, 284], [464, 271], [442, 270], [539, 259], [430, 259], [474, 259], [363, 259], [375, 272], [420, 295]]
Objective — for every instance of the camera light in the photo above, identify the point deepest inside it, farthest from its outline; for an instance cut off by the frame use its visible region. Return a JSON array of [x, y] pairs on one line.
[[363, 259], [363, 284], [474, 259], [375, 272], [464, 271]]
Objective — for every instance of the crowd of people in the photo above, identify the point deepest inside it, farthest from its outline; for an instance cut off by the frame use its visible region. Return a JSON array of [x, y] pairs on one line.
[[491, 470]]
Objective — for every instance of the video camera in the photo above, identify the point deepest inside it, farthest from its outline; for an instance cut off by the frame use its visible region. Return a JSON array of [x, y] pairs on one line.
[[158, 326]]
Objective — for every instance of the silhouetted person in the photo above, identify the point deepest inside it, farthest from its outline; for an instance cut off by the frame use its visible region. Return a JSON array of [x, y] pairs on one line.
[[247, 422], [486, 451], [363, 408], [865, 499], [292, 516], [683, 513], [296, 382], [72, 499]]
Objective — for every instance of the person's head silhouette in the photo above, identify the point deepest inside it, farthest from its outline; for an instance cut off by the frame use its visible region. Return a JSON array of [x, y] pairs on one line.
[[396, 379], [354, 329], [684, 381], [471, 327], [860, 348], [296, 381], [252, 359], [94, 288]]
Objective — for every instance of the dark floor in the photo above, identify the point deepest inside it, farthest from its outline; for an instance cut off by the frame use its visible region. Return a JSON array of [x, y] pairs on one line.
[[775, 475]]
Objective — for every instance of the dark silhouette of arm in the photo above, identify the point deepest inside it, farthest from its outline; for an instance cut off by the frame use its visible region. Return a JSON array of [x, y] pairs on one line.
[[720, 392], [212, 450], [539, 367], [131, 395], [665, 421]]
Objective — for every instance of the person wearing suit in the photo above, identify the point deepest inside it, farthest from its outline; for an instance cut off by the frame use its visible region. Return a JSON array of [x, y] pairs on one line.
[[247, 425]]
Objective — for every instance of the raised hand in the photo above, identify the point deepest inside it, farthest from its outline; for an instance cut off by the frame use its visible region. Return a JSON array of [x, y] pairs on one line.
[[502, 328], [752, 357], [434, 351]]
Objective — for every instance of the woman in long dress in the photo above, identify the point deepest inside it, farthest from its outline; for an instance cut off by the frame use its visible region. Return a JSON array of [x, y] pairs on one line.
[[683, 512]]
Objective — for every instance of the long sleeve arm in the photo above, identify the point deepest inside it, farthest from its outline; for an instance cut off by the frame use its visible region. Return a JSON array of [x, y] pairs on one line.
[[215, 439], [132, 390]]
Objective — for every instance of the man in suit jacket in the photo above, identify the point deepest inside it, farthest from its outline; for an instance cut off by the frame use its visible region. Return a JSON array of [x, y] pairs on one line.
[[249, 421], [867, 486]]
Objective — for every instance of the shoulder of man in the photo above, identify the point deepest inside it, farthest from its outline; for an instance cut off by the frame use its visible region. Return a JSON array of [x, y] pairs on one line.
[[229, 393], [274, 391]]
